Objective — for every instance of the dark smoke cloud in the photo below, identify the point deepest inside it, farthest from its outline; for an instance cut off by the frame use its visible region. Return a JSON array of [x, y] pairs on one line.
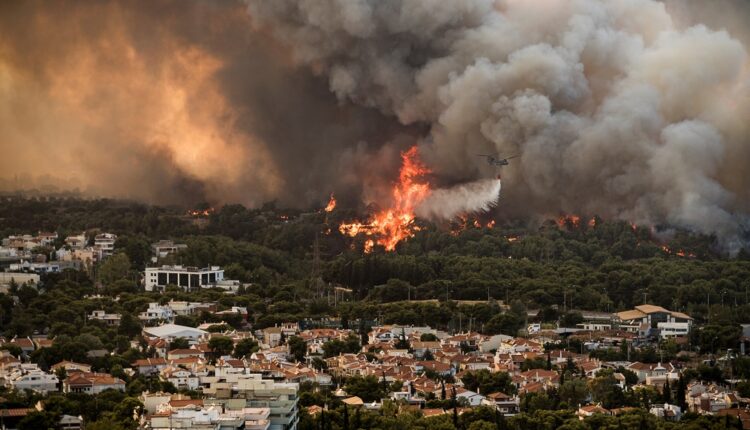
[[173, 101], [618, 107]]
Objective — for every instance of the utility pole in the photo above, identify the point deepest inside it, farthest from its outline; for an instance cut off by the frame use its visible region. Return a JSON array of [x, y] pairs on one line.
[[644, 297]]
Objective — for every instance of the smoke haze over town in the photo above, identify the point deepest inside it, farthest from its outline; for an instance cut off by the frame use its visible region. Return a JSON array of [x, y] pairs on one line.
[[635, 110]]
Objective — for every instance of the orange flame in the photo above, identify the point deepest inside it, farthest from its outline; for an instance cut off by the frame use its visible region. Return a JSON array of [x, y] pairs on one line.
[[369, 244], [391, 226], [491, 224], [511, 238], [572, 220], [331, 204], [198, 213], [680, 252]]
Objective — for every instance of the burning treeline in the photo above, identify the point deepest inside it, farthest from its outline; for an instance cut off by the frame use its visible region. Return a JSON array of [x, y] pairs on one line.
[[634, 119], [389, 227]]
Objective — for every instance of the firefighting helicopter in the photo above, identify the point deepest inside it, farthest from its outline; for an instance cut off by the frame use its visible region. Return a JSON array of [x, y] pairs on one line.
[[496, 161]]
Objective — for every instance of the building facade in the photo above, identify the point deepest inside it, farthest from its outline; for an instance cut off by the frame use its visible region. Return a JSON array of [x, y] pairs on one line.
[[187, 278]]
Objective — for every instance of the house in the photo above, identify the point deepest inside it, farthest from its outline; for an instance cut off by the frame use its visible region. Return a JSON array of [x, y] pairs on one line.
[[504, 403], [24, 343], [177, 354], [654, 373], [92, 383], [591, 410], [163, 248], [12, 416], [492, 343], [272, 336], [442, 369], [111, 320], [70, 422], [420, 348], [149, 366], [647, 320], [76, 242], [181, 378], [667, 411], [106, 243], [30, 377], [471, 398], [156, 312], [170, 332]]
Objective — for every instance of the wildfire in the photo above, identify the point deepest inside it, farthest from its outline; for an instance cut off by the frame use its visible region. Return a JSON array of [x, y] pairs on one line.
[[197, 213], [491, 224], [511, 239], [571, 220], [592, 222], [331, 204], [391, 226], [679, 252]]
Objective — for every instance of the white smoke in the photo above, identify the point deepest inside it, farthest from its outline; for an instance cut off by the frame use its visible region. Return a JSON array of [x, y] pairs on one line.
[[447, 203], [617, 109]]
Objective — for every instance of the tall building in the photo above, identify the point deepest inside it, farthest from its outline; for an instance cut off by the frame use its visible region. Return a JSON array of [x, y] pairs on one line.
[[188, 278]]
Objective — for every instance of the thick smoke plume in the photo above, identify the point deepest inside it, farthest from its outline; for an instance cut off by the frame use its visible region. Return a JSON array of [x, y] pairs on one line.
[[173, 101], [623, 108], [447, 203]]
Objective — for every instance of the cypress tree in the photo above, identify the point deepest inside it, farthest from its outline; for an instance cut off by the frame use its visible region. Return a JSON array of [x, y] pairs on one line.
[[667, 393]]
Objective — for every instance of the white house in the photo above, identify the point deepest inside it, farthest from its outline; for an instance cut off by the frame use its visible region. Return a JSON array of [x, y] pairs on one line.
[[92, 383], [30, 377], [156, 312], [472, 398]]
